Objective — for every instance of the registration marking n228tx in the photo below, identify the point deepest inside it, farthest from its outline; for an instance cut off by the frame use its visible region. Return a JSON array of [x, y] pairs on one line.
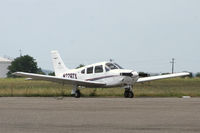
[[70, 75]]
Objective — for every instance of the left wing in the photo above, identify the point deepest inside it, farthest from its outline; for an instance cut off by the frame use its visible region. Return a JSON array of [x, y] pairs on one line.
[[161, 77], [60, 79]]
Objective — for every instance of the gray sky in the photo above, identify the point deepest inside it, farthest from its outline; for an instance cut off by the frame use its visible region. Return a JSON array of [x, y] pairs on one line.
[[138, 34]]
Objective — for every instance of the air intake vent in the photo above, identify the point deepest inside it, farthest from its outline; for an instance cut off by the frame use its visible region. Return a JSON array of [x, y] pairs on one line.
[[126, 74]]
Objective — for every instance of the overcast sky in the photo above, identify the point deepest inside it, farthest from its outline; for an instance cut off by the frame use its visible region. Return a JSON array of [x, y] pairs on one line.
[[143, 35]]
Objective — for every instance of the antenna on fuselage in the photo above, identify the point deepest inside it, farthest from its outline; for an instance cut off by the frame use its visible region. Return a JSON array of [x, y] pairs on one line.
[[111, 60]]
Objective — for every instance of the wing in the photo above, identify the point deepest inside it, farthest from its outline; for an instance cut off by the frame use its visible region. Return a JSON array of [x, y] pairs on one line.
[[161, 77], [60, 79]]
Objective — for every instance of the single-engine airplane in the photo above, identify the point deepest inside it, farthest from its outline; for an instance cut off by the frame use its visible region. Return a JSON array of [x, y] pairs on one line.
[[103, 74]]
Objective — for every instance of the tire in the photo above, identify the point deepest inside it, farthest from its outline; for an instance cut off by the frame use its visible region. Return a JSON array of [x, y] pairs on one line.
[[130, 94], [77, 94], [126, 94]]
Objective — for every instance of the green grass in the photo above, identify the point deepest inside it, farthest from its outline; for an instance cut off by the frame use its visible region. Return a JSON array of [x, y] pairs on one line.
[[162, 88], [170, 88]]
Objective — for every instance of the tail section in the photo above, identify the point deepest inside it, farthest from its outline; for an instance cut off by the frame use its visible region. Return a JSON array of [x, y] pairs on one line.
[[58, 64]]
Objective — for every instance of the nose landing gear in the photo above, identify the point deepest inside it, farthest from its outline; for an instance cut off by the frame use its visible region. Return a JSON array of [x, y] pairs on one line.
[[128, 93]]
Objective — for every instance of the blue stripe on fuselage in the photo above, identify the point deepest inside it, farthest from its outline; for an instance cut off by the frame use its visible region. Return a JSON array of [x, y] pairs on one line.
[[104, 77]]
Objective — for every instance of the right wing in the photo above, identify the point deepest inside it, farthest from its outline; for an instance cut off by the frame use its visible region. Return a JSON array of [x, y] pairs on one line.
[[60, 79], [162, 77]]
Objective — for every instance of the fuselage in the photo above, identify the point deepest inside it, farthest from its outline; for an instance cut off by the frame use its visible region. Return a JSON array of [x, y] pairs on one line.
[[104, 72]]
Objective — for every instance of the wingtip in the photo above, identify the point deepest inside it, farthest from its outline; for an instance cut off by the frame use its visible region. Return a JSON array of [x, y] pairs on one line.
[[14, 73], [186, 73]]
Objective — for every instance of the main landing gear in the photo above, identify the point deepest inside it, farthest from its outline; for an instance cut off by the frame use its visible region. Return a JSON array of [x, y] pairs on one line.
[[76, 92], [128, 93]]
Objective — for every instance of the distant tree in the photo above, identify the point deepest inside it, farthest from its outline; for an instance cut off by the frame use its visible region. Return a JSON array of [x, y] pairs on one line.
[[40, 71], [165, 73], [81, 65], [143, 74], [51, 74], [24, 63], [198, 75]]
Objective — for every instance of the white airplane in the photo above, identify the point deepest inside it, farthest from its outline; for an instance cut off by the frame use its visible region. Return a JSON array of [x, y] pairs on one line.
[[103, 75]]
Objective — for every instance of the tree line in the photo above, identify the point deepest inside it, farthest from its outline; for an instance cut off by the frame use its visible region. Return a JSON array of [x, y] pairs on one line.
[[25, 63]]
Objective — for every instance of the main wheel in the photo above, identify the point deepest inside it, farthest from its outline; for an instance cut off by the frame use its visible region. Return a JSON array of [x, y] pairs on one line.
[[130, 94], [77, 94], [126, 93]]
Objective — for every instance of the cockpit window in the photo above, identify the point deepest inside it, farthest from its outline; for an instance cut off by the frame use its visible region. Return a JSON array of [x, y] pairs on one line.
[[111, 66]]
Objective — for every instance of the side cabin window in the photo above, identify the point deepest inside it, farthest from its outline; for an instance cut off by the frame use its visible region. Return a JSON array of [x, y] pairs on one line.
[[99, 69], [90, 70], [83, 71]]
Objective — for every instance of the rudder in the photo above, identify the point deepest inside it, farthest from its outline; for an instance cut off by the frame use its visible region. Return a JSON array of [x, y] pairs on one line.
[[58, 64]]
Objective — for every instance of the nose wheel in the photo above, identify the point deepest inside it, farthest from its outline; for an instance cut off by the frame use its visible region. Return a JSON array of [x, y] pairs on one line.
[[128, 93]]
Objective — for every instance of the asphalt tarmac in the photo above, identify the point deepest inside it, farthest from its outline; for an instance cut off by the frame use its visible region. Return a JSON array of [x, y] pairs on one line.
[[99, 115]]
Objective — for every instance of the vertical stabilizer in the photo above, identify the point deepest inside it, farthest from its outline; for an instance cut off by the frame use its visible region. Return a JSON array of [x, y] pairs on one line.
[[58, 64]]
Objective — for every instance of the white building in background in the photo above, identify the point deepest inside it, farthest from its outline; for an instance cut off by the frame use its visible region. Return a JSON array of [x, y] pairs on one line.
[[4, 63]]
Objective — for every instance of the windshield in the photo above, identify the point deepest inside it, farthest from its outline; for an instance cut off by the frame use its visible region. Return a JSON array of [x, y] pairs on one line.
[[113, 66], [118, 66]]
